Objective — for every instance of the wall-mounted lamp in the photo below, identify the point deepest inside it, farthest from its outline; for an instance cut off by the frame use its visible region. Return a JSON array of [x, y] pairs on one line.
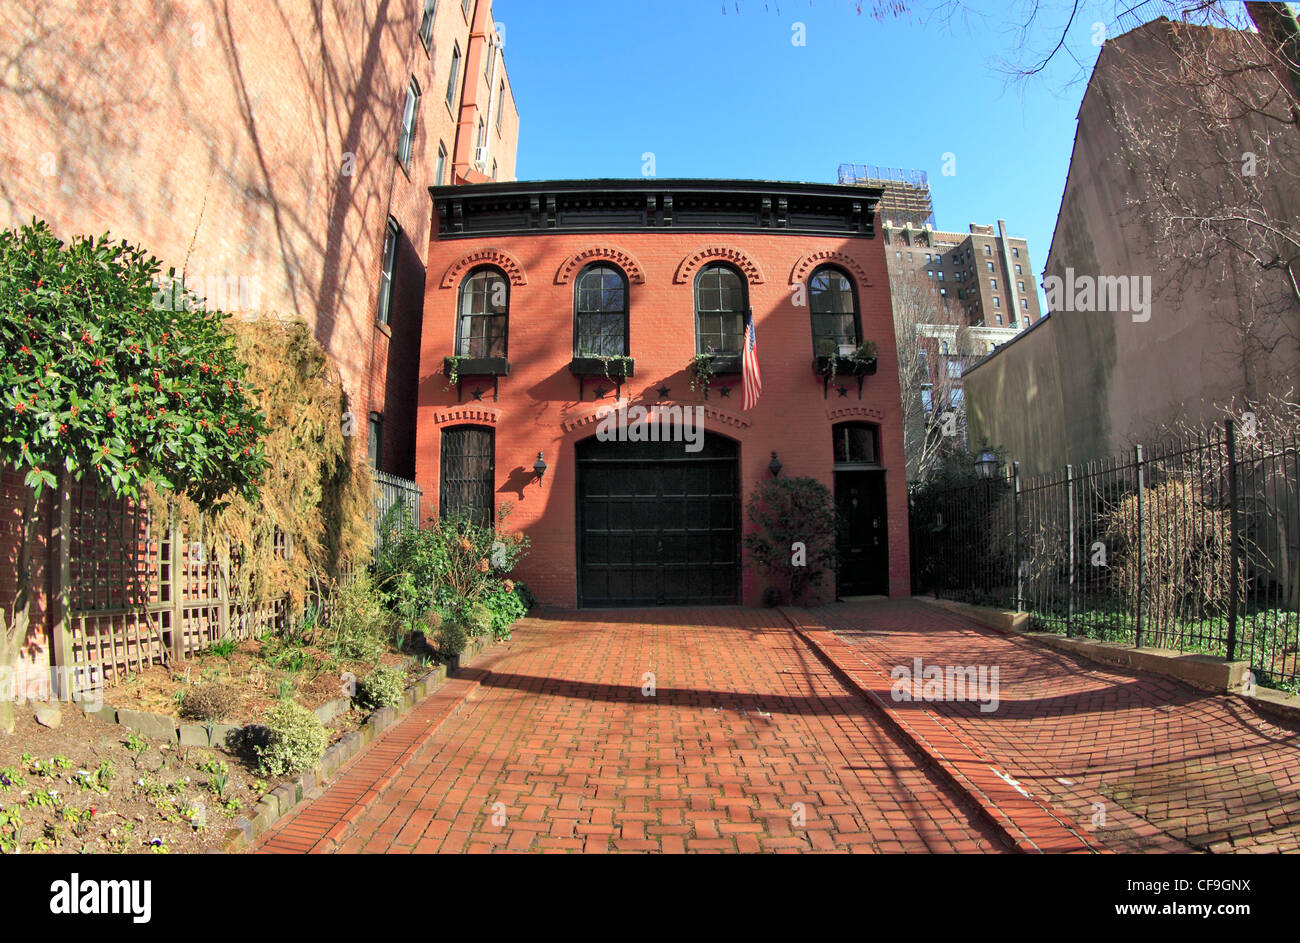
[[539, 467], [774, 466]]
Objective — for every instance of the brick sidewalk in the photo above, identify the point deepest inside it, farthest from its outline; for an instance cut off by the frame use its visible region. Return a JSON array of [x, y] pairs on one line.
[[746, 724], [1170, 767]]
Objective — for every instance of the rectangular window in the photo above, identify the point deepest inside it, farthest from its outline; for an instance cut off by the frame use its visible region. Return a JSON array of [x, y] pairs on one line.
[[990, 265], [494, 170], [440, 170], [999, 317], [376, 446], [993, 283], [954, 369], [409, 117], [426, 22], [930, 273], [386, 275], [941, 276], [501, 103], [1021, 285], [464, 7], [955, 398], [1018, 269], [468, 480], [1024, 303], [927, 400], [988, 250], [454, 77], [997, 302], [927, 257], [1015, 252]]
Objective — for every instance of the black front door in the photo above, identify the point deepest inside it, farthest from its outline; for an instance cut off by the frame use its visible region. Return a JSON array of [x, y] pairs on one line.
[[861, 540], [658, 525]]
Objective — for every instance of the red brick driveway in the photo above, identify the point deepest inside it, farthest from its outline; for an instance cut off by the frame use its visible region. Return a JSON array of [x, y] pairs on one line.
[[748, 743], [1141, 762]]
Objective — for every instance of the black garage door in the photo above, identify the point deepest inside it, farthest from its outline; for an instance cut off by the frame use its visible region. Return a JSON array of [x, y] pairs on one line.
[[658, 525]]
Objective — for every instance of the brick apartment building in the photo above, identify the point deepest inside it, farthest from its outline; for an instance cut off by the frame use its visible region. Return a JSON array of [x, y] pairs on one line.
[[533, 282], [279, 154]]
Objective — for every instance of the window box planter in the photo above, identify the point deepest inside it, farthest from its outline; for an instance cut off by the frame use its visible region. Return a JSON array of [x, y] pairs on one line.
[[457, 368], [476, 366], [614, 369], [704, 367], [611, 368], [844, 366], [860, 363]]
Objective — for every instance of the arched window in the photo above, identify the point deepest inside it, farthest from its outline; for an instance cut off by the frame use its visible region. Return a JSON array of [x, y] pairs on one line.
[[600, 312], [833, 300], [721, 300], [483, 315]]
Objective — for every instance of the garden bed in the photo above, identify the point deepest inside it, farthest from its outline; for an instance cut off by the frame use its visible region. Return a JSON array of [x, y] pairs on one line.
[[88, 787], [256, 674]]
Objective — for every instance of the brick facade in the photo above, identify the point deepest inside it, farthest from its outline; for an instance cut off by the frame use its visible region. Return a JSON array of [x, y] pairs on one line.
[[538, 408], [257, 142]]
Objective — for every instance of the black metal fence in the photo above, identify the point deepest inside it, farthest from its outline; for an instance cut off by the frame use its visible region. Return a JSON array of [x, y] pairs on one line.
[[397, 504], [1192, 544]]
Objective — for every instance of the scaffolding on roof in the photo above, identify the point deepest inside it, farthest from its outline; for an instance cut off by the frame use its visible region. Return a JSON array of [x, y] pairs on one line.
[[907, 192]]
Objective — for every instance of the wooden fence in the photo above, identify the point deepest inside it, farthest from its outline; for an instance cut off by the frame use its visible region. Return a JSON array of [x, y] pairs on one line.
[[124, 590]]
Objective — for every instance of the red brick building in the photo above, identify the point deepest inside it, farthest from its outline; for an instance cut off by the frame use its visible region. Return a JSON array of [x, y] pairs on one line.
[[533, 283]]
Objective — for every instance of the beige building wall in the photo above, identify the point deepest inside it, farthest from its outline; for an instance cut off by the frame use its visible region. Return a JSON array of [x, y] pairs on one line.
[[1093, 383]]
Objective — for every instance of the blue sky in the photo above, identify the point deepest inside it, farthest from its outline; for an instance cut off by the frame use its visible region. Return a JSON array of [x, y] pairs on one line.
[[598, 84]]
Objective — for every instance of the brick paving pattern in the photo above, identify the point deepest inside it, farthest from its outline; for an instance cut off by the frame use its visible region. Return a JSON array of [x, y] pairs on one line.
[[1171, 768], [558, 749]]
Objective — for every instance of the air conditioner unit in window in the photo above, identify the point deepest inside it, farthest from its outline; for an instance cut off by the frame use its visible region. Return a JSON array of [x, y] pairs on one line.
[[481, 158]]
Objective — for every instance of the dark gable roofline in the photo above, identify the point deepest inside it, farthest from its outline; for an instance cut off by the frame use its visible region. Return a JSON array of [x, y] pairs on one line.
[[524, 207]]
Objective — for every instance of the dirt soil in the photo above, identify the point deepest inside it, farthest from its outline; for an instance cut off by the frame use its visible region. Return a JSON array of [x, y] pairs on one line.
[[254, 672], [81, 788]]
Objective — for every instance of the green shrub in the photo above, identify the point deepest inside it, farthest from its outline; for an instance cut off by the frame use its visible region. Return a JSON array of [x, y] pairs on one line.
[[786, 512], [295, 740], [360, 627], [210, 703], [477, 619], [506, 605], [383, 688], [451, 559], [450, 639]]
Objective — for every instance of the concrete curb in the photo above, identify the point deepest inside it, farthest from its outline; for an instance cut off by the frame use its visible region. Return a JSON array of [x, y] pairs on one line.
[[1027, 823], [286, 797]]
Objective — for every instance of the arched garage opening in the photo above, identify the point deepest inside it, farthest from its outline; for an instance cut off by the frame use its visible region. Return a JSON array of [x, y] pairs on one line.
[[657, 524]]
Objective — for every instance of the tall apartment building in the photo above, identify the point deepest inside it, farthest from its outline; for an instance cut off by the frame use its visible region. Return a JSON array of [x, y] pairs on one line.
[[955, 296], [985, 275], [283, 151]]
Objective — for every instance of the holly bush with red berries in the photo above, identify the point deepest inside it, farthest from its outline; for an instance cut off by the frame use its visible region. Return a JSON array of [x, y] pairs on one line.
[[101, 375]]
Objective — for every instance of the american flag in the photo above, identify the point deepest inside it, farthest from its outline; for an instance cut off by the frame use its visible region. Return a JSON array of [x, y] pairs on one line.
[[753, 379]]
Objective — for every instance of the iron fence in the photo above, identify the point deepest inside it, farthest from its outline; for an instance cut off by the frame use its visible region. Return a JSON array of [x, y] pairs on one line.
[[397, 505], [1192, 544]]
